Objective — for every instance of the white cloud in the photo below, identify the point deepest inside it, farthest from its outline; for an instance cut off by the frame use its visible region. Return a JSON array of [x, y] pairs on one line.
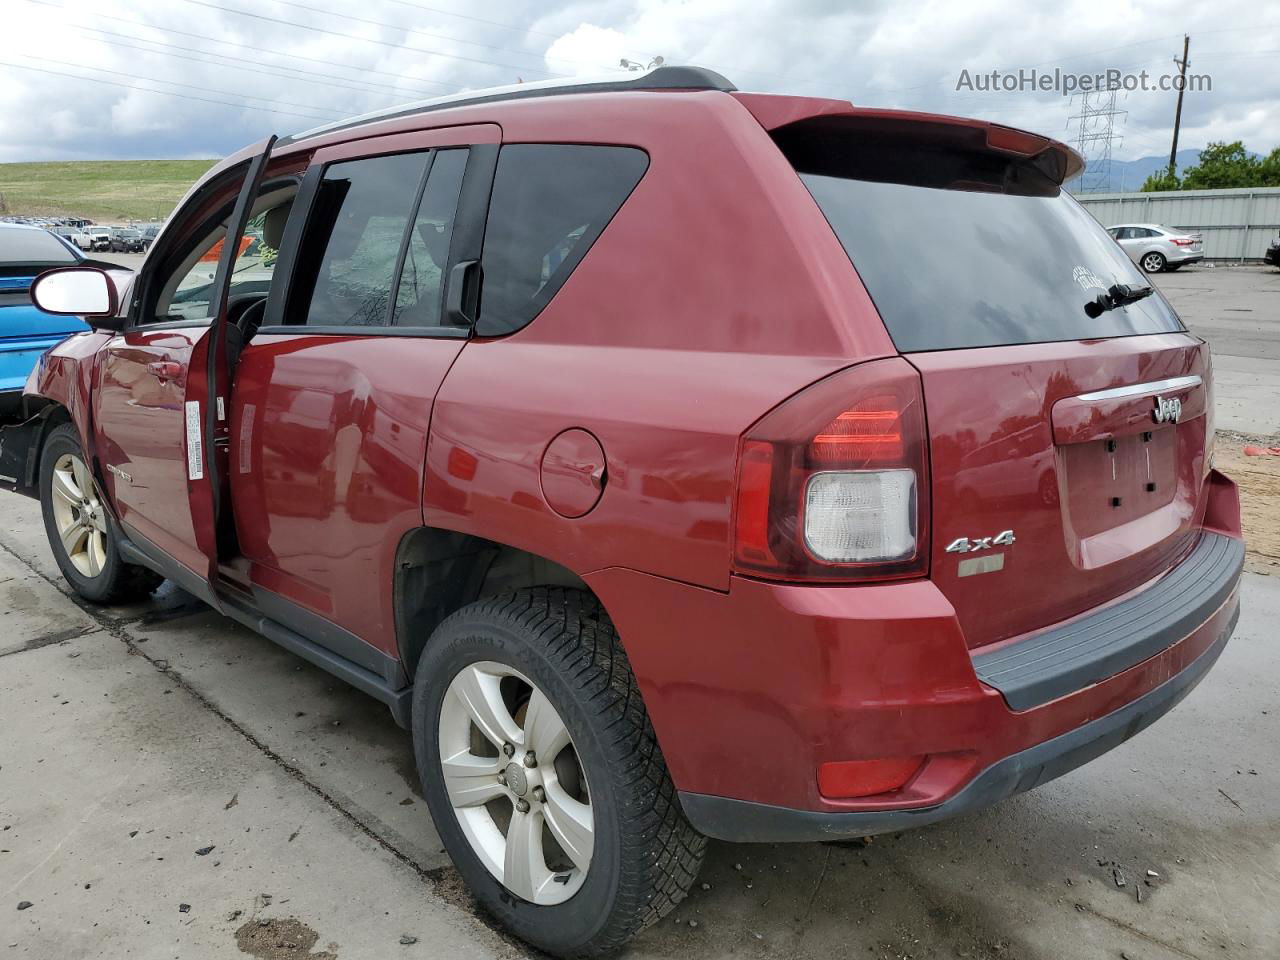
[[588, 50], [873, 52]]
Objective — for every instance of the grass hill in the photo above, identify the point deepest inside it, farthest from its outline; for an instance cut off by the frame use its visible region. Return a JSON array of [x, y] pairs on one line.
[[103, 190]]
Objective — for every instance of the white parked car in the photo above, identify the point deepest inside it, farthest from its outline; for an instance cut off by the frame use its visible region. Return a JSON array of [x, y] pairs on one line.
[[1155, 248]]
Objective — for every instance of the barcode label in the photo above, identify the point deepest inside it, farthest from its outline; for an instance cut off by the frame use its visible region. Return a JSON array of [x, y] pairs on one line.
[[195, 444]]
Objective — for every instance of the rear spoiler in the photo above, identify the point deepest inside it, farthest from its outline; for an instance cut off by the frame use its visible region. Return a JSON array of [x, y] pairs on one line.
[[1054, 160]]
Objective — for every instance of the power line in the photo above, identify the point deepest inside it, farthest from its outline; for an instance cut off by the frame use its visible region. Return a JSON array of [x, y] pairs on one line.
[[492, 23], [245, 46], [163, 93], [556, 36], [349, 36], [424, 33], [189, 86], [366, 87]]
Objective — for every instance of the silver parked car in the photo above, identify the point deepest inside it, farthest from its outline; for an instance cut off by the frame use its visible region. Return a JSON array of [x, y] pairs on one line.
[[1155, 248]]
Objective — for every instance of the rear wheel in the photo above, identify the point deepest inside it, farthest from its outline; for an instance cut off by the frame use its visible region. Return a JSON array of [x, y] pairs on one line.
[[80, 530], [1153, 262], [543, 775]]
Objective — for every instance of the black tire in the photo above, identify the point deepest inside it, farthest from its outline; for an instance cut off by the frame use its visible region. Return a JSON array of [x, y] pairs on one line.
[[1153, 262], [117, 582], [646, 856]]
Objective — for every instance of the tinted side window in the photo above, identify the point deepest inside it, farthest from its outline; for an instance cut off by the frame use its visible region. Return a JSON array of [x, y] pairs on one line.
[[419, 296], [353, 239], [550, 203]]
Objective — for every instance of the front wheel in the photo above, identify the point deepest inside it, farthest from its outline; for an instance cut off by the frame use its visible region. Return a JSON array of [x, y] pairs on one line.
[[543, 775], [80, 530], [1153, 262]]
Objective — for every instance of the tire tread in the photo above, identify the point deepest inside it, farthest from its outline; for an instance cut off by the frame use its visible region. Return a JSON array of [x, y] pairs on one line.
[[661, 852]]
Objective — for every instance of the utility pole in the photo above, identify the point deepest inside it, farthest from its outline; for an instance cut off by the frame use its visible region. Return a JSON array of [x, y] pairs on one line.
[[1177, 116]]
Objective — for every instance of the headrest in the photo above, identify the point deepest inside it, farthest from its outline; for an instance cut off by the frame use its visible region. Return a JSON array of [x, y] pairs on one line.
[[273, 225]]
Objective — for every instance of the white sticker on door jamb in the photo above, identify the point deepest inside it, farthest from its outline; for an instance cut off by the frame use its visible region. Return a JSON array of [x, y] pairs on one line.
[[195, 445]]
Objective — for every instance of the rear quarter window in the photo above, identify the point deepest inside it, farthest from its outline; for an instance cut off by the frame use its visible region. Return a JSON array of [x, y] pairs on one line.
[[550, 203]]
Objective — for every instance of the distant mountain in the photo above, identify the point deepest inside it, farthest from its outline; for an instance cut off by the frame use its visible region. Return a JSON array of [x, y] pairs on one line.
[[1128, 176]]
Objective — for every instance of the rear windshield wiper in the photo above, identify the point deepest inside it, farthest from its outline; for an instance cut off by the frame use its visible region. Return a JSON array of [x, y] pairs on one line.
[[1119, 295]]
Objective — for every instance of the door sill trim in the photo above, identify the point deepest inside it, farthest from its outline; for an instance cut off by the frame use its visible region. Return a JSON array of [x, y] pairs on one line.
[[245, 610]]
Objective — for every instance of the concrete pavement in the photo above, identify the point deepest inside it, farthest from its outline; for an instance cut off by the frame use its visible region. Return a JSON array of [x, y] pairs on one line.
[[171, 721], [1237, 309]]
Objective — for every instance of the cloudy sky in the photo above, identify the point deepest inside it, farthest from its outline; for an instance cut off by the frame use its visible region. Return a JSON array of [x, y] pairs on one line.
[[93, 79]]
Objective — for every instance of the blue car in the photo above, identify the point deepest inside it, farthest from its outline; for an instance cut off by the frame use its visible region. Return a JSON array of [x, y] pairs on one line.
[[25, 331]]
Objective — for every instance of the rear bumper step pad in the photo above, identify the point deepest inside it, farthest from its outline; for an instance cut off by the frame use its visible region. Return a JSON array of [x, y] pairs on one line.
[[1052, 664]]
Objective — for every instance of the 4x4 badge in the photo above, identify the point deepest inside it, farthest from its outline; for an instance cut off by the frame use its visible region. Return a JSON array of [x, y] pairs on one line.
[[1167, 411], [966, 545]]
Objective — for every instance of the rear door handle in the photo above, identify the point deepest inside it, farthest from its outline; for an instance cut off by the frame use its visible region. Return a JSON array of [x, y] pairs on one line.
[[462, 295], [166, 369]]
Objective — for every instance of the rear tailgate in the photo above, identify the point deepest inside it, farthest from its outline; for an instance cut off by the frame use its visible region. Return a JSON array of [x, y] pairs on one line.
[[1060, 446], [1067, 433]]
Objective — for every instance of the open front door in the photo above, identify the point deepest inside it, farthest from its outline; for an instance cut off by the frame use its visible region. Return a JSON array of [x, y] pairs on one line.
[[162, 382], [206, 415]]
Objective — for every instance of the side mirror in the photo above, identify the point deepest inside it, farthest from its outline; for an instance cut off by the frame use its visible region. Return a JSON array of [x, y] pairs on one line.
[[78, 291]]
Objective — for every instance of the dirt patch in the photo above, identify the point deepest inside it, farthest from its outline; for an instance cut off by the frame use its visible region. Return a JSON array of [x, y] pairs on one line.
[[282, 939], [1259, 482]]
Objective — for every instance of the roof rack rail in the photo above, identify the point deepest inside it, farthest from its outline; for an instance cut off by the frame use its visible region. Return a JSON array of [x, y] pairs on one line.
[[659, 78]]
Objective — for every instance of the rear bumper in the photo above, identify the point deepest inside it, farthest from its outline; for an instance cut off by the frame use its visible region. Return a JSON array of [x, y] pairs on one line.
[[752, 691], [744, 822], [1189, 258]]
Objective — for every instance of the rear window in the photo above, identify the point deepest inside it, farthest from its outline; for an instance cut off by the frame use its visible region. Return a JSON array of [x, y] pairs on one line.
[[33, 246], [951, 268]]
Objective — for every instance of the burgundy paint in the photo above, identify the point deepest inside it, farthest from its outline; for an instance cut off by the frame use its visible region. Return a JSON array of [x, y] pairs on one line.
[[737, 296], [573, 471]]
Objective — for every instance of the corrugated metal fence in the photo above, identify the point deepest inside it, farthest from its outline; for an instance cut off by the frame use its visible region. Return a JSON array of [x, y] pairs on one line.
[[1236, 224]]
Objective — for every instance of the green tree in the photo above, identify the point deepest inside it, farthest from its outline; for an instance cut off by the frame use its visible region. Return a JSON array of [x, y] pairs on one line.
[[1270, 169], [1223, 165], [1164, 180]]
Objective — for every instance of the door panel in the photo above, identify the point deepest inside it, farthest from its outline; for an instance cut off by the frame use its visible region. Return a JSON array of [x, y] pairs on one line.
[[139, 414], [332, 403], [328, 441]]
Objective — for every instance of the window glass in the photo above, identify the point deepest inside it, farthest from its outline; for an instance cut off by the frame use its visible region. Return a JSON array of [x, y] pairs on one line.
[[419, 298], [27, 245], [250, 273], [354, 236], [549, 204], [1019, 269]]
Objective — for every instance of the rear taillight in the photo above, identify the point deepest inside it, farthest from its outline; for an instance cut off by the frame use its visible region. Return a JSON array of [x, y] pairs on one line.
[[833, 484], [1182, 241]]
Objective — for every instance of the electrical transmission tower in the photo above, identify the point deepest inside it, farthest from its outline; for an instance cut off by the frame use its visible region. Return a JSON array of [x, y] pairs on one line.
[[1095, 136]]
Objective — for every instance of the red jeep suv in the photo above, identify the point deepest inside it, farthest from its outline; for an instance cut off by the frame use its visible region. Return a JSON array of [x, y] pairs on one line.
[[674, 462]]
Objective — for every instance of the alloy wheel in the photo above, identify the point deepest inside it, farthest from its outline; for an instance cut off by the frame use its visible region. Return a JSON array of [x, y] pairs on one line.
[[515, 783], [1152, 263], [79, 516]]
